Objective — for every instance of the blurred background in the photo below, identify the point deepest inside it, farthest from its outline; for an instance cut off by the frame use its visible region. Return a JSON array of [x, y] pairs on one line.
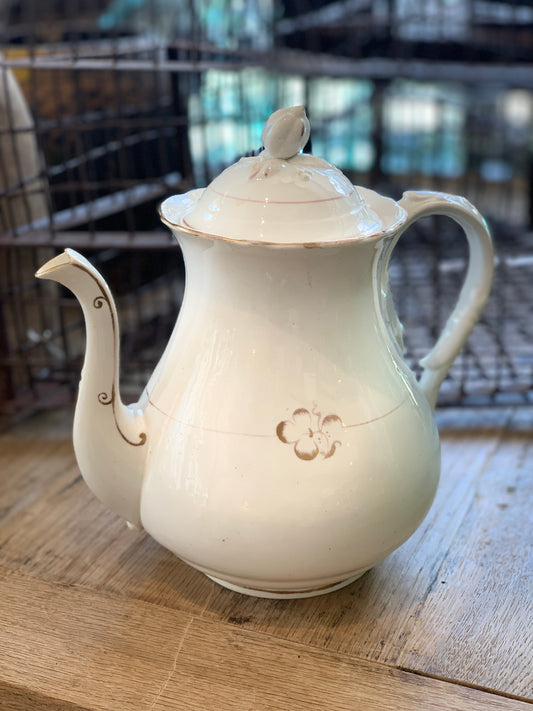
[[109, 106]]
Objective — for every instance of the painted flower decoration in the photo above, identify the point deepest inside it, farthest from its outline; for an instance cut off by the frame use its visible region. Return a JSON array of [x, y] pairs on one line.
[[310, 434]]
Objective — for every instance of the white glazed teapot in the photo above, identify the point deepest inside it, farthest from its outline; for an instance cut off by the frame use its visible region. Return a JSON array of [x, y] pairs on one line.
[[282, 446]]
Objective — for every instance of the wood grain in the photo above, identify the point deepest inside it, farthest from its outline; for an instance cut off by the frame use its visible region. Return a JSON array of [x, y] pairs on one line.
[[70, 644], [16, 698], [451, 609]]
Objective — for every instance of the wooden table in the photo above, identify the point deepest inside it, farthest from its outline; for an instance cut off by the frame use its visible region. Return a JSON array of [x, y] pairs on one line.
[[96, 616]]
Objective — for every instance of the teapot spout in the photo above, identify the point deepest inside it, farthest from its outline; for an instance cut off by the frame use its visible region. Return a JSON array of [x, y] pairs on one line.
[[109, 437]]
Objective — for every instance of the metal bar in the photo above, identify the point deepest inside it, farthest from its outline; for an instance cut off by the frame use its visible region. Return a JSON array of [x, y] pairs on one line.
[[97, 240], [311, 64], [96, 209], [102, 151], [107, 119]]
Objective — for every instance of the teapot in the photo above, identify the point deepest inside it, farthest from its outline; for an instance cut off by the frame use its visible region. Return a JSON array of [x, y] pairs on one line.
[[282, 446]]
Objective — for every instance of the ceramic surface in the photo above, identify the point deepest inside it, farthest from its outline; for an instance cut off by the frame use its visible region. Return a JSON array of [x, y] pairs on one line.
[[282, 446]]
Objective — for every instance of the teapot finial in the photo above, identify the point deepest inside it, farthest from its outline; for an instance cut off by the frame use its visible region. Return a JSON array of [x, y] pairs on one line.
[[286, 132]]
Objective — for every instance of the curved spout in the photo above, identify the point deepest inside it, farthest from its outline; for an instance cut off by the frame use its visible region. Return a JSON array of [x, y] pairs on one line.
[[109, 437]]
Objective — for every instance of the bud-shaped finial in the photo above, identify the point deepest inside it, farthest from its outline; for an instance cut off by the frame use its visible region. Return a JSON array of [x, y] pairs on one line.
[[286, 132]]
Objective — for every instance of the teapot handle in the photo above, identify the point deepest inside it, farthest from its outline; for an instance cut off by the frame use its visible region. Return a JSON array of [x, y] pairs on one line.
[[475, 289]]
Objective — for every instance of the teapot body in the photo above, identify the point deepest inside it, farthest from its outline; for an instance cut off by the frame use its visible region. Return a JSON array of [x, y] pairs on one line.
[[291, 447]]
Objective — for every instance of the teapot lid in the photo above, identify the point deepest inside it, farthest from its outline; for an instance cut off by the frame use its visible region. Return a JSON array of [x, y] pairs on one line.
[[283, 196]]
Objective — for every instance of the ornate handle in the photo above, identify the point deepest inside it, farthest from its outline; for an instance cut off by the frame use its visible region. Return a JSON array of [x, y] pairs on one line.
[[476, 287]]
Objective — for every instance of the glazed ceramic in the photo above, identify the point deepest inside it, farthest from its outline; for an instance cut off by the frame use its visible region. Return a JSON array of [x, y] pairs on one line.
[[282, 446]]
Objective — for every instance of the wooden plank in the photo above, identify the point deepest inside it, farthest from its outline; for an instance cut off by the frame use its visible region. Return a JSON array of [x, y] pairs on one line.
[[52, 527], [13, 698], [477, 621], [83, 647], [107, 652], [399, 614], [221, 669], [29, 468]]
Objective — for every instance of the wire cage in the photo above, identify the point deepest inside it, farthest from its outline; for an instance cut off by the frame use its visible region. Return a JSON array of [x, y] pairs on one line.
[[109, 106]]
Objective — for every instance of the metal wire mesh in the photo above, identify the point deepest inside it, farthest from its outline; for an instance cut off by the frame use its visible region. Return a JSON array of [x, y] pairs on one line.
[[107, 107]]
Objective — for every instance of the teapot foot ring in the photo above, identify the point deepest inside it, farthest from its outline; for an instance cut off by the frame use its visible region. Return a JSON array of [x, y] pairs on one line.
[[286, 594]]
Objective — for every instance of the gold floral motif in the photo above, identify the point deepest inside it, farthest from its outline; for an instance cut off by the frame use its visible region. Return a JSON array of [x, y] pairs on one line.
[[311, 434]]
